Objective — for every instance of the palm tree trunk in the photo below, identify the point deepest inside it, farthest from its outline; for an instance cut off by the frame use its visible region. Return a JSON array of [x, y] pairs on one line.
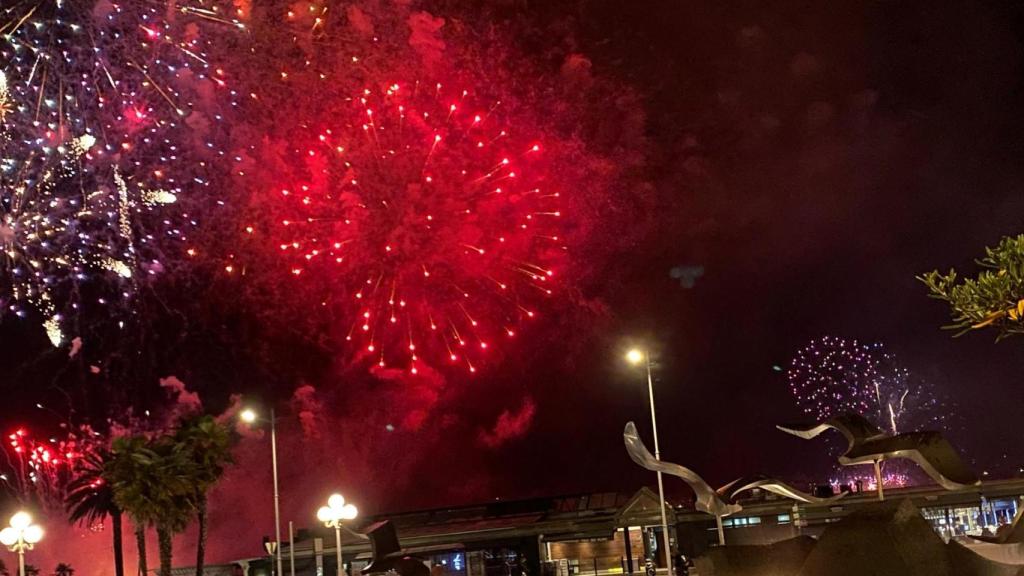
[[201, 545], [163, 536], [115, 525], [140, 543]]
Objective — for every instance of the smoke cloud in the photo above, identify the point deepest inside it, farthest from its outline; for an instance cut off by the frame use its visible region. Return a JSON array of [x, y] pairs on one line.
[[510, 425]]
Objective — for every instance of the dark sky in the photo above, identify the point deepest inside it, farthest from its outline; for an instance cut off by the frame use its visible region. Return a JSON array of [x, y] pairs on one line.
[[815, 157], [838, 150]]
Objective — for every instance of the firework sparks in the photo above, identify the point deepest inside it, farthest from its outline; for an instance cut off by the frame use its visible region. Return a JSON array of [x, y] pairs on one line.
[[41, 468], [831, 376], [847, 479], [90, 91], [5, 98], [431, 217], [35, 223]]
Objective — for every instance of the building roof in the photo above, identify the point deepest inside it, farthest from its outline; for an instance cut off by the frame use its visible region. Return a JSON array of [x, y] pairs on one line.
[[557, 518]]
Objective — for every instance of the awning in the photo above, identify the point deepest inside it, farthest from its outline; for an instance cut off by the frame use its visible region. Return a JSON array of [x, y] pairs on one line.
[[420, 550], [582, 535]]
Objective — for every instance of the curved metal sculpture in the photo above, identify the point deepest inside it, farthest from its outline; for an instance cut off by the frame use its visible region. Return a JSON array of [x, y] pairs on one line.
[[708, 500], [1006, 547], [732, 490], [870, 445], [719, 503]]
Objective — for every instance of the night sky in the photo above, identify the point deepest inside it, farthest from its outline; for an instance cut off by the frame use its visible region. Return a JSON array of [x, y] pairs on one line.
[[813, 158]]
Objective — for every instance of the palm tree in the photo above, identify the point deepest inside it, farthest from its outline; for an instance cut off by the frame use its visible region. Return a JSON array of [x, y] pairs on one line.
[[63, 569], [152, 480], [208, 444], [31, 570], [140, 545], [177, 472], [90, 500], [126, 456]]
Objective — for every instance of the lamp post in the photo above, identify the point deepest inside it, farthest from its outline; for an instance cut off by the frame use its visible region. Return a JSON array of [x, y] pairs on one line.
[[20, 536], [249, 416], [332, 516], [635, 357]]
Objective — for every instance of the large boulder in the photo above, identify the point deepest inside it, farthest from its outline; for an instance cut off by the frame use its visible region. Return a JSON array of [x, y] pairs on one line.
[[779, 559], [887, 539]]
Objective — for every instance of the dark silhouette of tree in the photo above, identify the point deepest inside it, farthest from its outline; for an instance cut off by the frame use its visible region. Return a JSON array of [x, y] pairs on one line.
[[208, 445], [90, 500], [153, 481]]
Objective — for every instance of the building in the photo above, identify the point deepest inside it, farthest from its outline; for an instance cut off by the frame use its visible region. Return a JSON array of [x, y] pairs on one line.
[[613, 533], [968, 511], [610, 533]]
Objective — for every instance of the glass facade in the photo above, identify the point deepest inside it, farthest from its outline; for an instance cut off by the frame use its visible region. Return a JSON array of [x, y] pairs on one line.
[[984, 519]]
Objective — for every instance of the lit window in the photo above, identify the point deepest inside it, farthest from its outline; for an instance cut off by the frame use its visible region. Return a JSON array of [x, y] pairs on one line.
[[783, 519]]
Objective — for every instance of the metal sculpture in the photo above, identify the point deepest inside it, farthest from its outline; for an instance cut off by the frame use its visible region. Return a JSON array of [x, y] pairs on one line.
[[388, 555], [732, 490], [719, 503], [870, 445]]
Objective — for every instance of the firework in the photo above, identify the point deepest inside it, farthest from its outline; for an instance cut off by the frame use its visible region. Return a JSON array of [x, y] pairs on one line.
[[431, 216], [99, 104], [831, 376], [40, 469], [847, 478], [420, 185]]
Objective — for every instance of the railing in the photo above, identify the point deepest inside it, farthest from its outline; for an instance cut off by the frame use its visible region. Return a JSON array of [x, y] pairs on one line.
[[592, 566]]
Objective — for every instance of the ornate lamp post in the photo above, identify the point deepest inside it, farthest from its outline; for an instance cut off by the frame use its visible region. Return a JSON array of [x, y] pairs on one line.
[[637, 357], [332, 515], [249, 416], [20, 536]]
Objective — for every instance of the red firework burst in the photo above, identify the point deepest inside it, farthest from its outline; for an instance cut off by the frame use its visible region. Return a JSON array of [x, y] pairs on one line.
[[41, 468], [432, 218]]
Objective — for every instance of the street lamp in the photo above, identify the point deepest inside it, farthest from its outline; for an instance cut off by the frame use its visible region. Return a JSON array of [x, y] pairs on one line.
[[249, 416], [20, 536], [638, 356], [332, 516]]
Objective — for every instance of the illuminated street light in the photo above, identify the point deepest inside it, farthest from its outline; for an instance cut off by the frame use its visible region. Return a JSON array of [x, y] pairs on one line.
[[20, 536], [249, 416], [332, 516], [634, 356], [637, 356]]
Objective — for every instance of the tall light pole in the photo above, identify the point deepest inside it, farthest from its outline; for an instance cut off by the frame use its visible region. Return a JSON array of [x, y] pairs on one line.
[[249, 416], [635, 357], [20, 536], [332, 515]]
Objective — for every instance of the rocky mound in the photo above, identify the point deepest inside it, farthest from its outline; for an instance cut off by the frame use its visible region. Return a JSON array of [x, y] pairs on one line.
[[779, 559], [890, 539]]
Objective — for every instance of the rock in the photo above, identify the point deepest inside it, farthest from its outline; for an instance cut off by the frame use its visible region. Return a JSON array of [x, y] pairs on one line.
[[887, 539], [779, 559]]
